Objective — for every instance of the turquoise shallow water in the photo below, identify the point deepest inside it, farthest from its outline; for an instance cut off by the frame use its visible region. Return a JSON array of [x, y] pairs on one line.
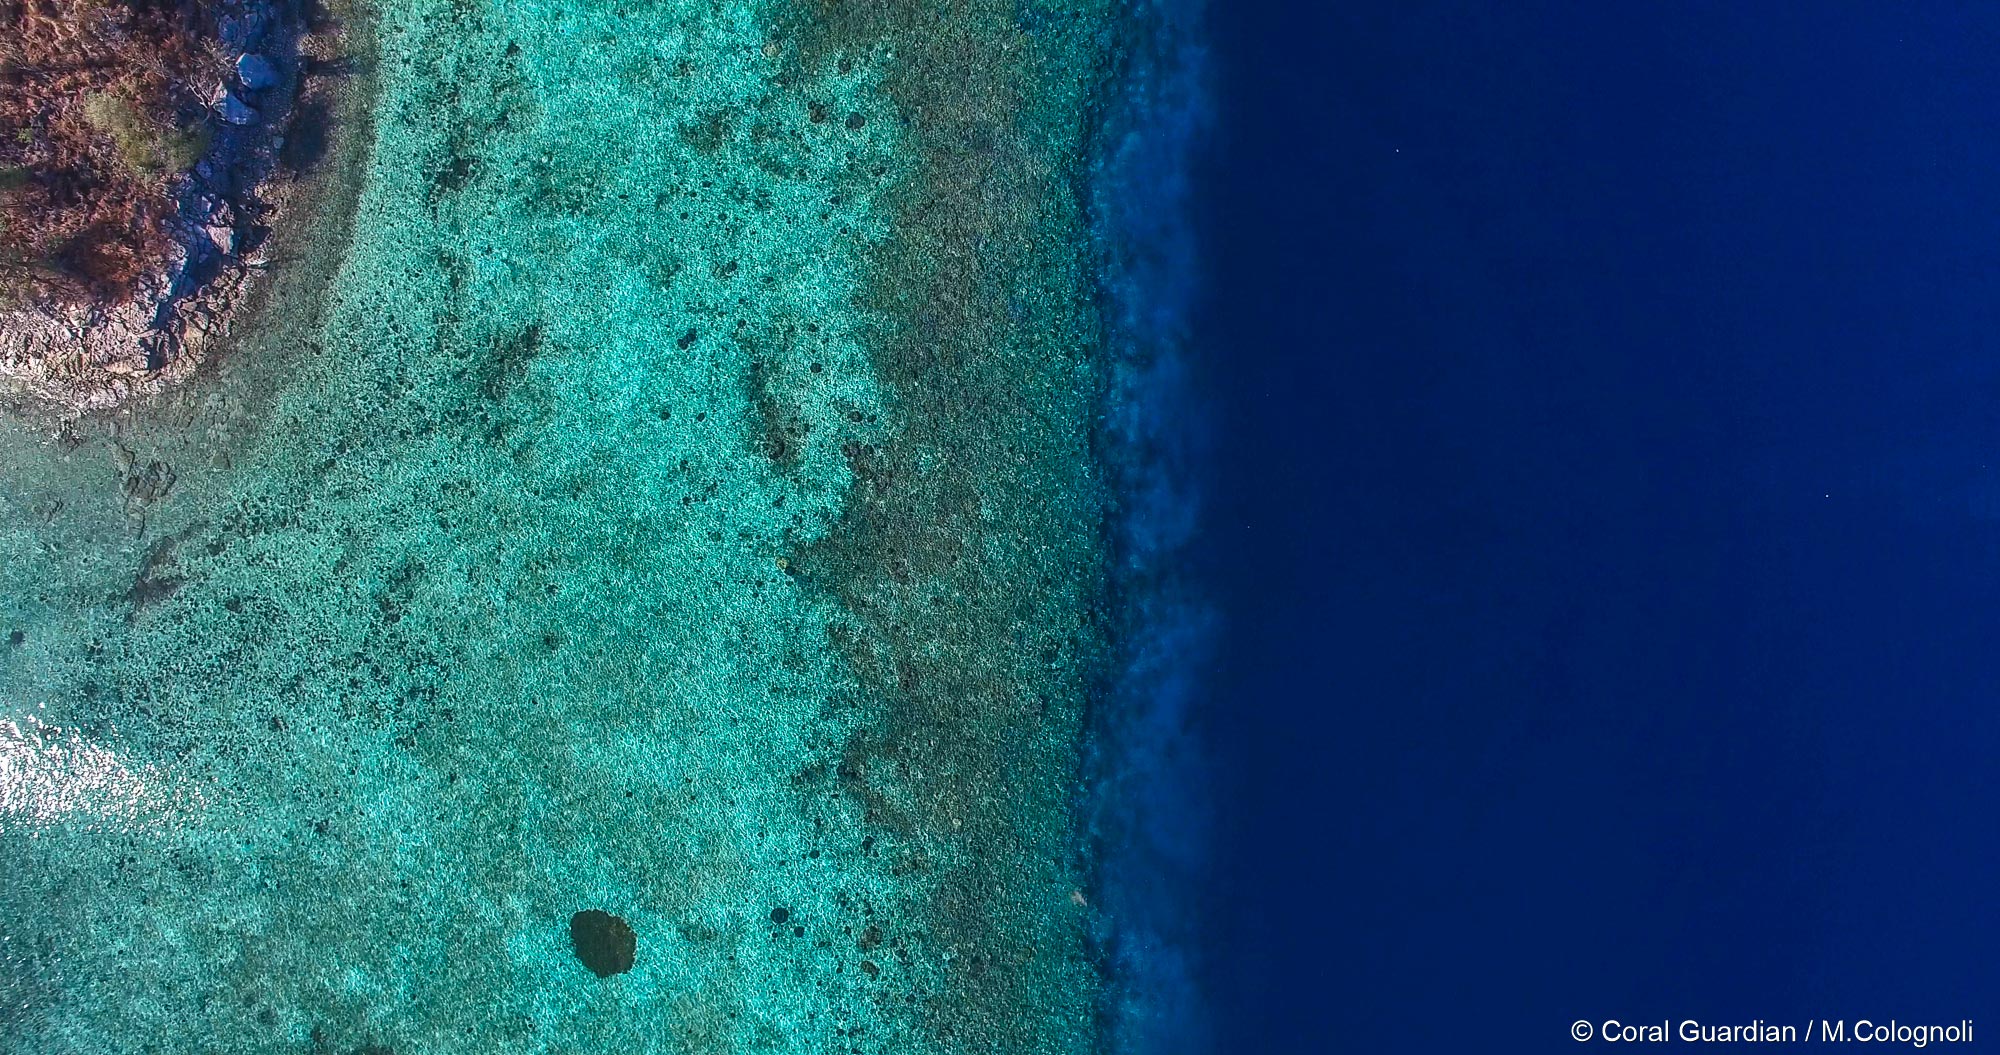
[[670, 492]]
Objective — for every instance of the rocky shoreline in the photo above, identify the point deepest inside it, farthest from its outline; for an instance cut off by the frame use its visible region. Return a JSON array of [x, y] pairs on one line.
[[71, 357]]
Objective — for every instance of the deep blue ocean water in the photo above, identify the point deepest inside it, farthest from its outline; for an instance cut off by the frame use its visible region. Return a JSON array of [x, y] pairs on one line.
[[1605, 516]]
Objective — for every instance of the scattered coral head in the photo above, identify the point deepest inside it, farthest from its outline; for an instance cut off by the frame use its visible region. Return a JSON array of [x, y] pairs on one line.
[[604, 943]]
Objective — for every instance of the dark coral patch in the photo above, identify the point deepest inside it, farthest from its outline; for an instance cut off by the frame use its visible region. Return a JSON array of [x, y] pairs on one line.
[[604, 943]]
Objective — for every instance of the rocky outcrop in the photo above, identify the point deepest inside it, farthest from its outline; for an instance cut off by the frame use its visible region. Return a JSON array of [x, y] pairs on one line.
[[74, 354]]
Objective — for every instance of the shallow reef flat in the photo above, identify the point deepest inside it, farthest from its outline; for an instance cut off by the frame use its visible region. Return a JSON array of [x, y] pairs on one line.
[[667, 494]]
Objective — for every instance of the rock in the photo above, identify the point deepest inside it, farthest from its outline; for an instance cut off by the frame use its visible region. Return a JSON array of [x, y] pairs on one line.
[[216, 175], [235, 32], [256, 72], [224, 238], [148, 485], [603, 942], [236, 111]]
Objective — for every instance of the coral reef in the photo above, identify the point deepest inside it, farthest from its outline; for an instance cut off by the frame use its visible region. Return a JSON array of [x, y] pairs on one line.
[[679, 498]]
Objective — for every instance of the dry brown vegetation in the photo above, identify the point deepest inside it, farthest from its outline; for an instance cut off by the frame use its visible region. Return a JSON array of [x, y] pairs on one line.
[[97, 115]]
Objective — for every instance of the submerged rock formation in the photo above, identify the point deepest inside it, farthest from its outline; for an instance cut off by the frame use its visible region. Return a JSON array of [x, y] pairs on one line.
[[603, 942]]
